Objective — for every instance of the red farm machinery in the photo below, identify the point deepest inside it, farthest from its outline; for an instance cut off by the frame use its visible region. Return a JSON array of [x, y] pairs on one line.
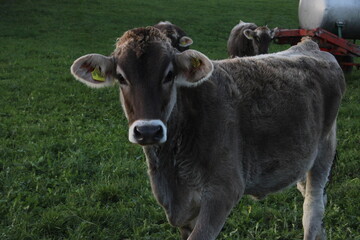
[[328, 22]]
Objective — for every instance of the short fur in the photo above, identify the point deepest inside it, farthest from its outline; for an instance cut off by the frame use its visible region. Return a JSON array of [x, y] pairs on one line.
[[253, 126], [138, 40]]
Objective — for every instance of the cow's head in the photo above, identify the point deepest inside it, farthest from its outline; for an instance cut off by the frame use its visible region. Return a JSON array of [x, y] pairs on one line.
[[178, 37], [148, 70], [261, 38]]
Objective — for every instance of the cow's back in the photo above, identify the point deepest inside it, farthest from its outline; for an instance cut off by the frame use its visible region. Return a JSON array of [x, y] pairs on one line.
[[279, 85]]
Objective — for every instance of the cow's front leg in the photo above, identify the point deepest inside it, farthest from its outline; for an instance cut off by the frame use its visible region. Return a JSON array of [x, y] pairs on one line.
[[215, 208], [186, 230]]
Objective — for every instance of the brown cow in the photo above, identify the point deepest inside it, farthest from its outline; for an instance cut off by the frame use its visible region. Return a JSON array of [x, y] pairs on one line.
[[213, 131], [178, 37], [247, 39]]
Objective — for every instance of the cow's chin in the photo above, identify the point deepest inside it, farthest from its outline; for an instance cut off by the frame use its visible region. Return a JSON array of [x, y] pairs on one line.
[[144, 143]]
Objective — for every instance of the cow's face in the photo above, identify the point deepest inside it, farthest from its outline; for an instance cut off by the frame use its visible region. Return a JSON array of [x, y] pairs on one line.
[[261, 38], [148, 70]]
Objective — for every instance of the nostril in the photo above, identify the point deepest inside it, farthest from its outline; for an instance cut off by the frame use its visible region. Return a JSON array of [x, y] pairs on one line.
[[159, 133], [137, 134]]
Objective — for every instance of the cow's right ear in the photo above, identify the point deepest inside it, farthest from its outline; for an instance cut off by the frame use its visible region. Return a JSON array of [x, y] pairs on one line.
[[185, 41], [249, 34], [94, 70], [193, 68]]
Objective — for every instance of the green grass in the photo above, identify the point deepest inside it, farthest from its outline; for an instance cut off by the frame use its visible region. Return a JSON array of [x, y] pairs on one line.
[[67, 170]]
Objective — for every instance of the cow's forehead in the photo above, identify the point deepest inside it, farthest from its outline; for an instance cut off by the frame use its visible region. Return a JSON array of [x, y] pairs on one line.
[[262, 30], [144, 51], [150, 64], [139, 40]]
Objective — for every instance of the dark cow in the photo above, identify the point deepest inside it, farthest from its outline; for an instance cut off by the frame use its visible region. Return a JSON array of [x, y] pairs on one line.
[[247, 39], [178, 37], [213, 131]]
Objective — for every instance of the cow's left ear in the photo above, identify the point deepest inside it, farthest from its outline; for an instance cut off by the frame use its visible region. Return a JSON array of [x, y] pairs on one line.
[[193, 68], [249, 34], [94, 70], [185, 41], [273, 32]]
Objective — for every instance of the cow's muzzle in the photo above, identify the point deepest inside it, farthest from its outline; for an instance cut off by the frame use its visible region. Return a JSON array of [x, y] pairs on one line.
[[147, 132]]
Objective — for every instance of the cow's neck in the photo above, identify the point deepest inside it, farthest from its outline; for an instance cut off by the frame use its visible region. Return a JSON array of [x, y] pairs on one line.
[[179, 154], [175, 168]]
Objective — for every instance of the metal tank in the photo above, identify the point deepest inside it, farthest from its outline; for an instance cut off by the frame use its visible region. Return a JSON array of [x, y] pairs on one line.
[[341, 17]]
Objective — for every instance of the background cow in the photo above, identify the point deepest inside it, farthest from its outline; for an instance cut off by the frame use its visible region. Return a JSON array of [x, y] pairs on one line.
[[213, 131], [247, 39], [178, 37]]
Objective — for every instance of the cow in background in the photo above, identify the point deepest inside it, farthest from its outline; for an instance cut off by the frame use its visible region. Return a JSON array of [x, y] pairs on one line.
[[178, 37], [214, 131], [247, 39]]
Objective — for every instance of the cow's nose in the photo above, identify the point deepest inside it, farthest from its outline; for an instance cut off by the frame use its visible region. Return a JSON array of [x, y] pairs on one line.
[[147, 133]]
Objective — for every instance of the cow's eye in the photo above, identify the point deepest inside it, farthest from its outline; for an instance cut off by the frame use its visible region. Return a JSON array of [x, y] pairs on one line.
[[169, 77], [121, 79]]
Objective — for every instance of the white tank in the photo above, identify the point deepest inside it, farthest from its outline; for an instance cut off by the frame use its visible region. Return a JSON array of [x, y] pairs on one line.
[[330, 15]]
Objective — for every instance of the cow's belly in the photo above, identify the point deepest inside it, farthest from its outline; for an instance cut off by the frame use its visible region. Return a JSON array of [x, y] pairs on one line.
[[270, 179]]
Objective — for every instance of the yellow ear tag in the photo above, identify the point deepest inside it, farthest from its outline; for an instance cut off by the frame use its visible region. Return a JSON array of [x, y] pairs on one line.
[[183, 42], [97, 75], [195, 62]]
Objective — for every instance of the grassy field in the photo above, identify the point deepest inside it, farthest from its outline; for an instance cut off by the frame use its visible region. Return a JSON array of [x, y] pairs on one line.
[[67, 170]]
